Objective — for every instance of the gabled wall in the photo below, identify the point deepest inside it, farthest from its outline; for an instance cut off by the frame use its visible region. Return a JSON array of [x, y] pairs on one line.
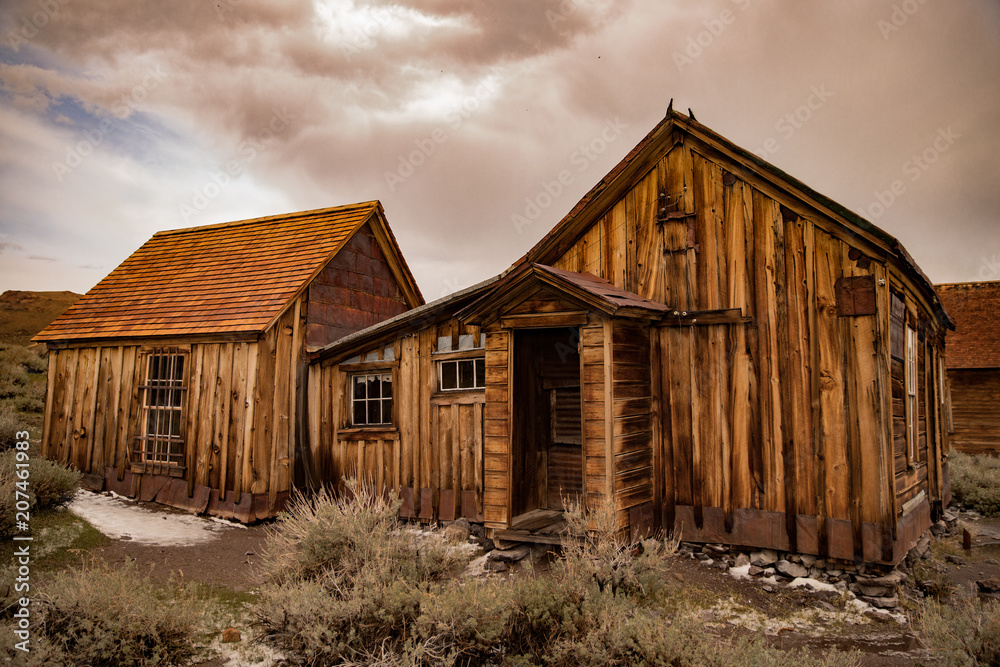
[[772, 391], [355, 290]]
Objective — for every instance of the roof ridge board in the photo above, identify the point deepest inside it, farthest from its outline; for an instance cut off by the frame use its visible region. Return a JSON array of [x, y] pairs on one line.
[[365, 206]]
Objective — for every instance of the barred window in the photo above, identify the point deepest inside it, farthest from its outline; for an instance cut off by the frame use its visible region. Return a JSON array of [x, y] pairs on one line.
[[371, 399], [161, 439]]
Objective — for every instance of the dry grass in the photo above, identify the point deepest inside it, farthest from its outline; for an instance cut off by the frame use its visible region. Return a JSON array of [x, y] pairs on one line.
[[597, 606], [975, 482], [105, 617], [964, 634]]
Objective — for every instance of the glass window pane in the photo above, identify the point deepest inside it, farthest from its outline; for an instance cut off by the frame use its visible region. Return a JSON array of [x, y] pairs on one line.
[[374, 412], [386, 386], [466, 374], [373, 386], [449, 375], [386, 411], [359, 386], [360, 413], [480, 372]]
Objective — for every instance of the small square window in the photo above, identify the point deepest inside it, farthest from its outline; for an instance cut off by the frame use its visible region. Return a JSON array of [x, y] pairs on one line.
[[461, 374], [371, 403]]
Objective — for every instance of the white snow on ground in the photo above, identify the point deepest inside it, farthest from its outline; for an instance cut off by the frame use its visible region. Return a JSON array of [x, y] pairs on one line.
[[814, 584], [118, 518]]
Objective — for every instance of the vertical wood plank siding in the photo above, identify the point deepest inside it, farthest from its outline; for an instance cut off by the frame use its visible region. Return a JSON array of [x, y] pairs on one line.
[[441, 445], [237, 426], [790, 414]]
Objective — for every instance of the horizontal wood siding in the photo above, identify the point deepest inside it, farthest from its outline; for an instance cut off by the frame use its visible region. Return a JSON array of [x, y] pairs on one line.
[[631, 413], [975, 410]]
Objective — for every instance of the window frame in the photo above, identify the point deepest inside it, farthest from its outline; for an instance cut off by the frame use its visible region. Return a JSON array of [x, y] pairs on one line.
[[383, 374], [912, 400], [479, 361], [157, 449]]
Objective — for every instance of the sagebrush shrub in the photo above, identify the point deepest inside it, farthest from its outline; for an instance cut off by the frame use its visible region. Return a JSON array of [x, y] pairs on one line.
[[10, 426], [352, 587], [100, 616], [49, 484], [966, 633], [975, 482]]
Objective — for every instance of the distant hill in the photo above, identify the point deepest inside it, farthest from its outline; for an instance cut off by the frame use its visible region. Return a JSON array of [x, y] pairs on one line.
[[23, 314]]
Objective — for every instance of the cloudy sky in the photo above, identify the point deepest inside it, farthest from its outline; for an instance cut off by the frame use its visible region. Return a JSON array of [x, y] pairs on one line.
[[119, 118]]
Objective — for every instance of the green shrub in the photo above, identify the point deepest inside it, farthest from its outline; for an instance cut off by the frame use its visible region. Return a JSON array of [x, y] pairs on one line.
[[351, 589], [49, 484], [975, 482], [327, 536], [100, 616], [10, 426], [967, 633]]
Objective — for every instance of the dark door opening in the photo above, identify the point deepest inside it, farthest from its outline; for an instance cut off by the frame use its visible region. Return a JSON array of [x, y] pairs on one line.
[[547, 438]]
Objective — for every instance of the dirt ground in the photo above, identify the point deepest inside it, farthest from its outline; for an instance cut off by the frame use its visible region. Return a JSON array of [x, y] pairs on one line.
[[233, 559], [230, 560]]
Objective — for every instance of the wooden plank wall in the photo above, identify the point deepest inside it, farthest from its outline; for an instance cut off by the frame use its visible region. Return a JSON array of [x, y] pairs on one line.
[[597, 410], [632, 416], [975, 395], [239, 426], [790, 413], [433, 454]]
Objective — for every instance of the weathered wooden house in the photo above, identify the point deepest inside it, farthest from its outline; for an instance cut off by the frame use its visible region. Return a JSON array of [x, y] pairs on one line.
[[706, 341], [181, 376], [973, 365]]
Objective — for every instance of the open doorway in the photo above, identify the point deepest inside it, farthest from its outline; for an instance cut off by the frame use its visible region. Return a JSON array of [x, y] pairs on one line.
[[547, 438]]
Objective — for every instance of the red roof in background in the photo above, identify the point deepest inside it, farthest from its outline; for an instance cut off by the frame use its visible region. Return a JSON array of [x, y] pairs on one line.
[[975, 307]]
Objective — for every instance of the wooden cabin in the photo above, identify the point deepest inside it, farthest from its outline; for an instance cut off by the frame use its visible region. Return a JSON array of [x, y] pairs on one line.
[[180, 377], [704, 340], [973, 365]]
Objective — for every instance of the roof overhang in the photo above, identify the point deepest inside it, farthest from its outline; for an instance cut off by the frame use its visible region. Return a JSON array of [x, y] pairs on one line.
[[593, 293]]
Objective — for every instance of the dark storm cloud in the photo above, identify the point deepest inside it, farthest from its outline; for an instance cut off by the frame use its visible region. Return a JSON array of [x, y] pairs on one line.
[[455, 113]]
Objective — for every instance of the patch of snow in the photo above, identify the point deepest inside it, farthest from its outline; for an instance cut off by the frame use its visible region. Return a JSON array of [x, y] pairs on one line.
[[814, 584], [227, 522], [477, 567], [119, 519], [742, 572]]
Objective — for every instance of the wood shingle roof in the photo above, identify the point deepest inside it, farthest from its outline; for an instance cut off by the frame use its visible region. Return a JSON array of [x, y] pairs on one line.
[[229, 278], [975, 307]]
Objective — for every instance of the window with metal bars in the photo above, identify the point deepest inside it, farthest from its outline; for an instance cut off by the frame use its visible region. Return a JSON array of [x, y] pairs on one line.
[[161, 426], [371, 399]]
